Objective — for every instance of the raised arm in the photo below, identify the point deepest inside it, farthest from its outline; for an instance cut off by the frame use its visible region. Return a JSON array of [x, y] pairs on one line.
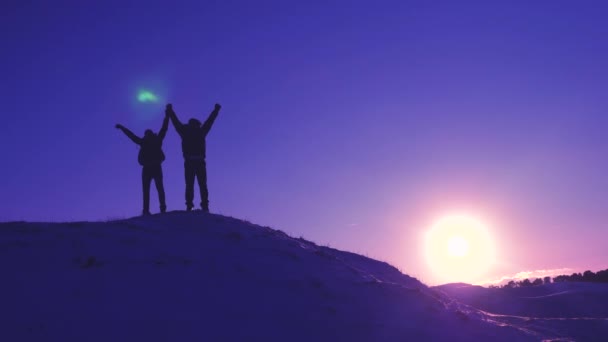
[[179, 127], [163, 129], [129, 134], [211, 119]]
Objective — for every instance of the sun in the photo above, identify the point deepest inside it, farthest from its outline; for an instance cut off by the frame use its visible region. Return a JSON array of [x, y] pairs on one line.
[[459, 248]]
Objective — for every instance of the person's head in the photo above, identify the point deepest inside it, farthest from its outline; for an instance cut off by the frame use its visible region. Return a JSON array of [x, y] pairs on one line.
[[148, 133], [194, 123]]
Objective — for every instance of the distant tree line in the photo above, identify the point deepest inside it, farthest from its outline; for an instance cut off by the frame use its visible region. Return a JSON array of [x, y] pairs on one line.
[[587, 276]]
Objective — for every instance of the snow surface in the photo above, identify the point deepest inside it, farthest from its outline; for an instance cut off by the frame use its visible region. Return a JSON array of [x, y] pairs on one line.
[[201, 277], [570, 310]]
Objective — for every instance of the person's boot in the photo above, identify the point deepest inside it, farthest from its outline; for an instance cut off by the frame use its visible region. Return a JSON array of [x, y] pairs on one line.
[[145, 213], [189, 207], [205, 207], [163, 209]]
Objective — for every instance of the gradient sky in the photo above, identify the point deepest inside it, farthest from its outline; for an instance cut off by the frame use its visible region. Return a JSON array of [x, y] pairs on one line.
[[353, 124]]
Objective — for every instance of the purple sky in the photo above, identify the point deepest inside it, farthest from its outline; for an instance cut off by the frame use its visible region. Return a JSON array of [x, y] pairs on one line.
[[354, 125]]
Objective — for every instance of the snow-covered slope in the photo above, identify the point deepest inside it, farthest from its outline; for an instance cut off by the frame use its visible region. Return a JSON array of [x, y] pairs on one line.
[[578, 311], [200, 277]]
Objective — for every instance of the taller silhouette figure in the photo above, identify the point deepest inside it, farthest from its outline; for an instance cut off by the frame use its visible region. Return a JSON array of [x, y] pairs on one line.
[[150, 157], [193, 137]]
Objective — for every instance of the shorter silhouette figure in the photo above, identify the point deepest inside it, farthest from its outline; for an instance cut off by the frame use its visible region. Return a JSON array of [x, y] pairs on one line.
[[193, 137], [150, 158]]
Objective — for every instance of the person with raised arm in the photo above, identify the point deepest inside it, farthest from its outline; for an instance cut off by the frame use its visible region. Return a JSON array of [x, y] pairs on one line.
[[150, 157], [193, 136]]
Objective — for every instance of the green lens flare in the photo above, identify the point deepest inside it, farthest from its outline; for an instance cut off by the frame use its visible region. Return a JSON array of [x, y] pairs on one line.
[[146, 96]]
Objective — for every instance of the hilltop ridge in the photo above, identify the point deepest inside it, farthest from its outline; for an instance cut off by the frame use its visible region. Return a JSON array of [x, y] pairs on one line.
[[192, 276]]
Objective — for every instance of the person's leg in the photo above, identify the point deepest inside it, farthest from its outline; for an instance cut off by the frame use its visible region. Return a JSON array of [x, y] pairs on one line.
[[189, 175], [158, 181], [146, 178], [201, 176]]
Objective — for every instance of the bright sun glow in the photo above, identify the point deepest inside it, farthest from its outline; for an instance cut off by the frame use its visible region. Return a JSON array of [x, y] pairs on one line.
[[459, 248]]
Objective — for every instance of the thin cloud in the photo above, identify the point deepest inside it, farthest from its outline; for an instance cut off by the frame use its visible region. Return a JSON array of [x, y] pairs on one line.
[[529, 275]]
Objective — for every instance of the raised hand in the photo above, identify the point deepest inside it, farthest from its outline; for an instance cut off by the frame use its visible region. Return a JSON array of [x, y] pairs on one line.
[[218, 106], [119, 126]]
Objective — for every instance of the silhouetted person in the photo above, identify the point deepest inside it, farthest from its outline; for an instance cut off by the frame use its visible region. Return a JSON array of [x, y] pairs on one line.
[[151, 157], [193, 147]]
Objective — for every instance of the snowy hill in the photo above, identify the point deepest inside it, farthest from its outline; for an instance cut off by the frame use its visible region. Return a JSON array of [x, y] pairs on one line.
[[194, 277], [568, 309]]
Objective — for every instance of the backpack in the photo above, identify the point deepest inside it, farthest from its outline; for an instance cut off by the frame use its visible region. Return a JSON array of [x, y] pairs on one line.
[[151, 152]]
